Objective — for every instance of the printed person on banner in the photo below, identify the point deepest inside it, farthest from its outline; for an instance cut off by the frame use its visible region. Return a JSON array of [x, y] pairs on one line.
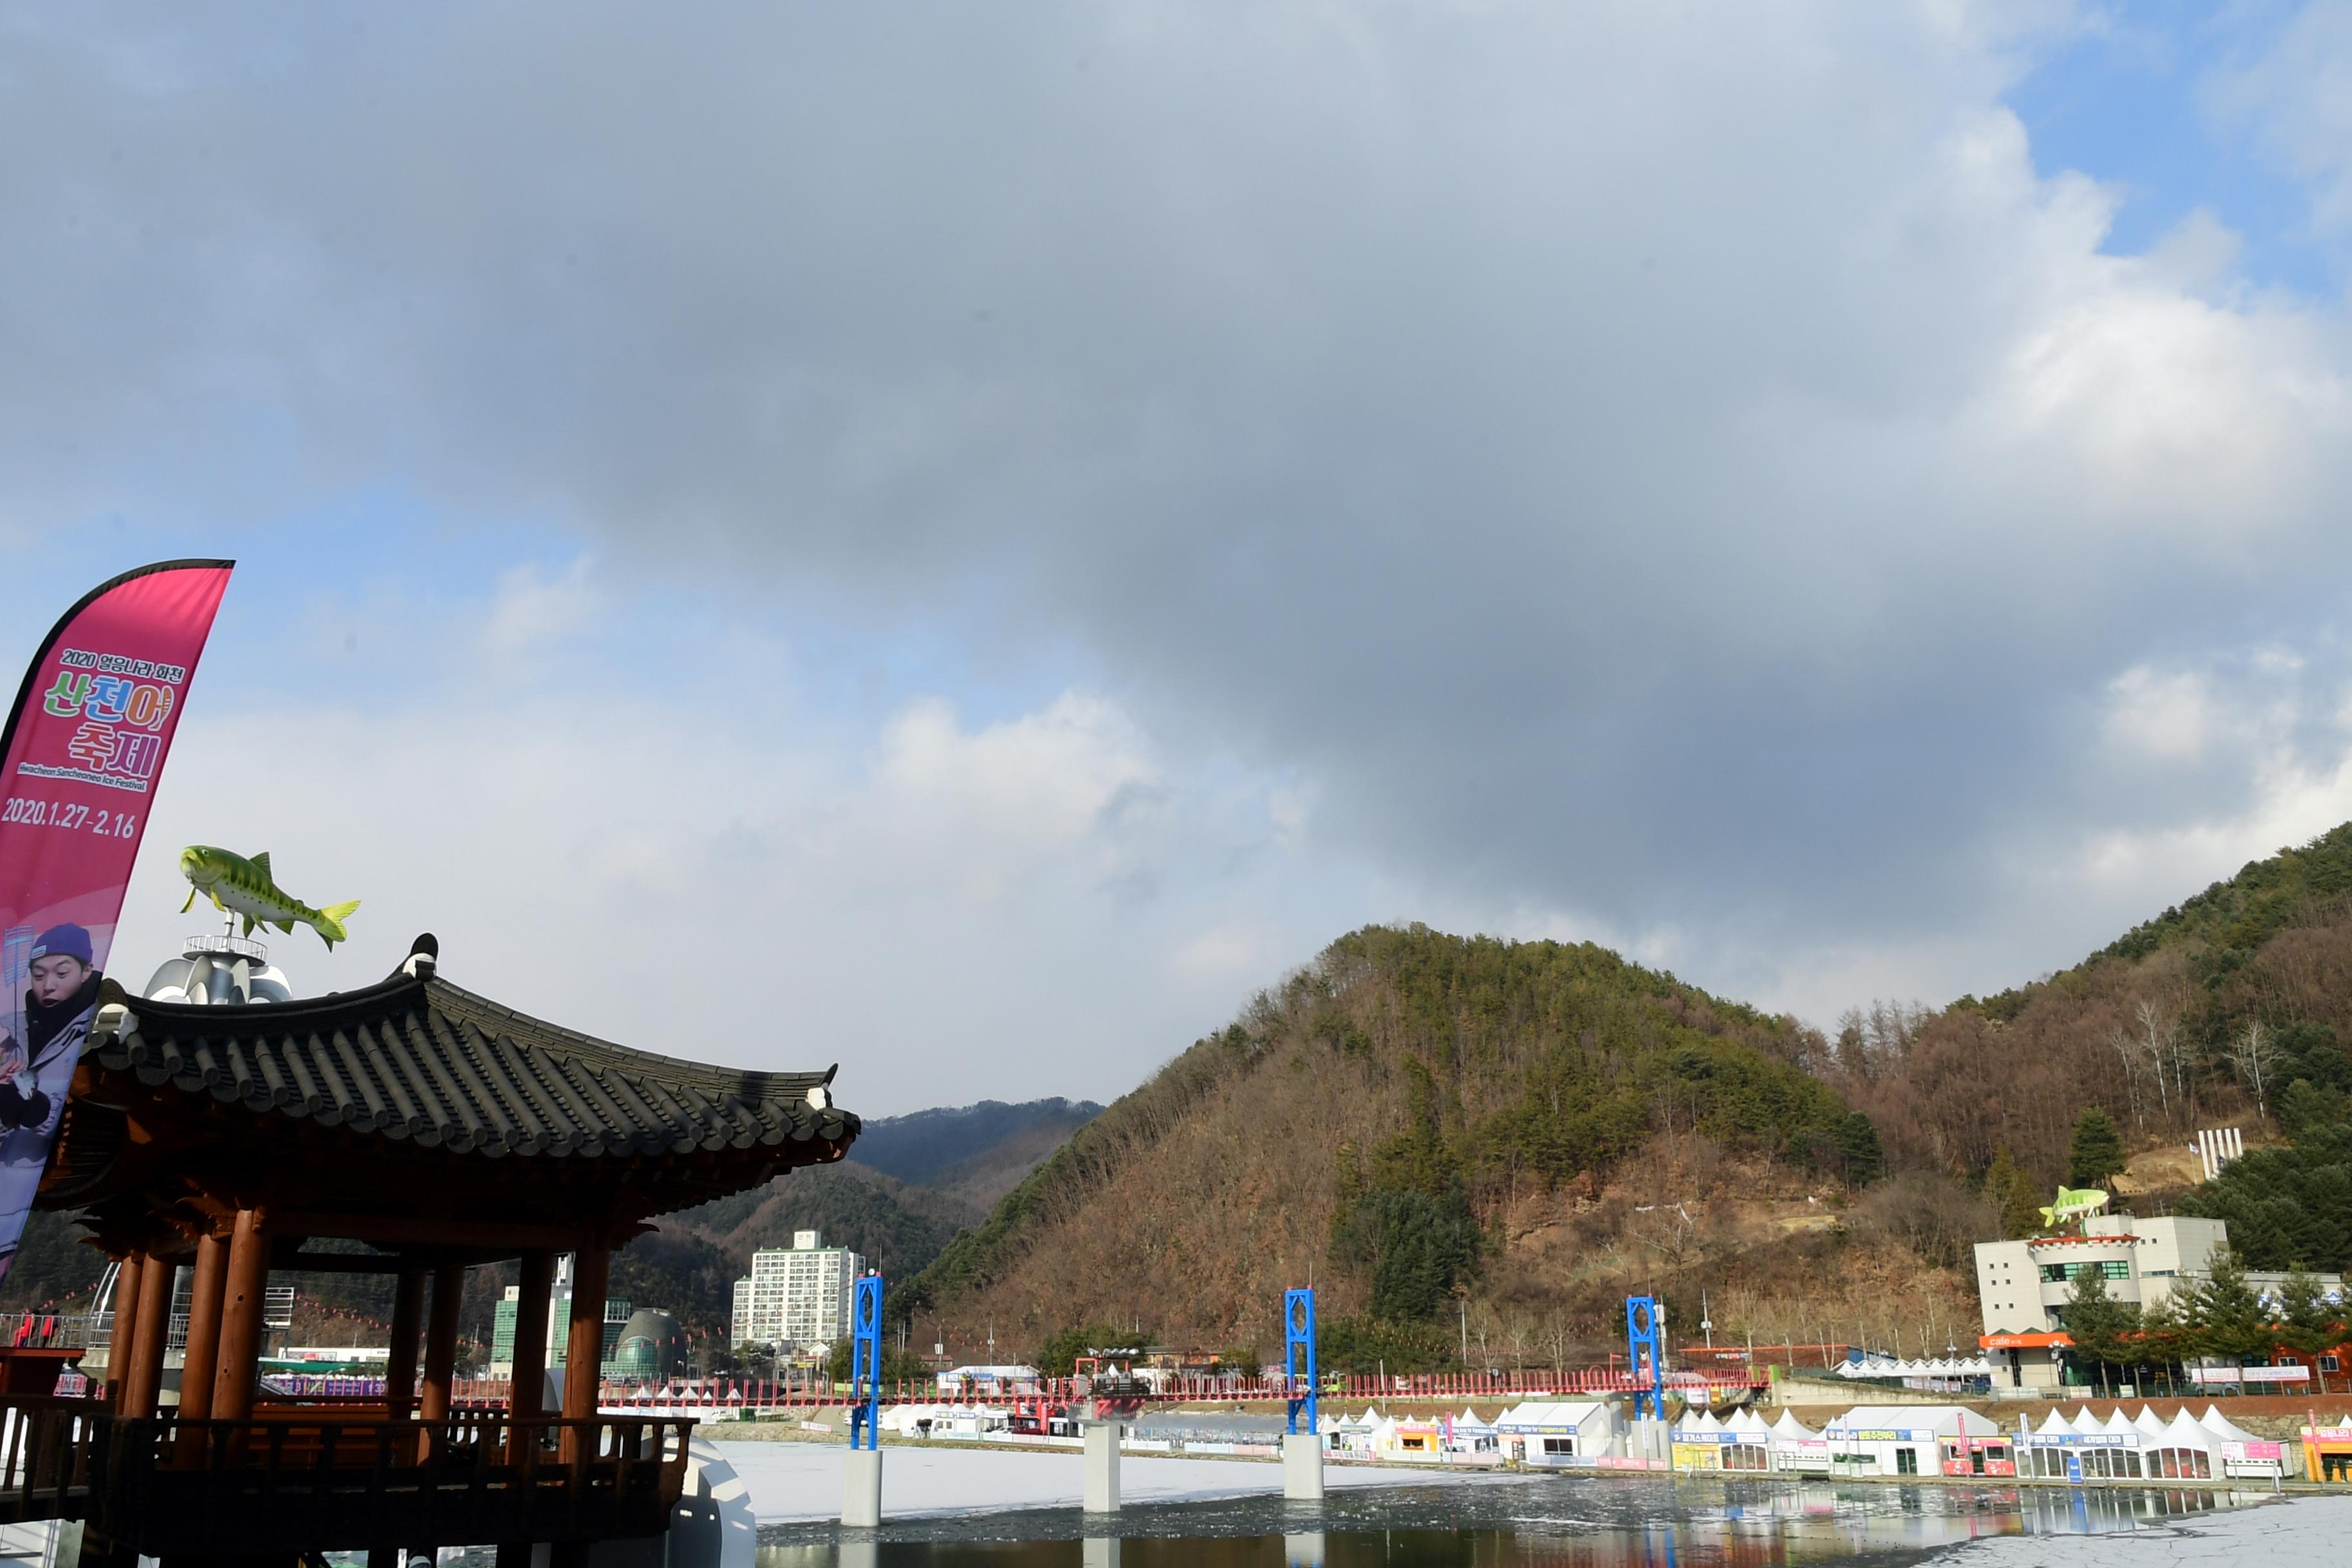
[[35, 1075]]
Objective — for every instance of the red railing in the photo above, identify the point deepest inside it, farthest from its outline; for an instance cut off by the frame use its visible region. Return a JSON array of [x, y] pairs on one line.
[[768, 1394]]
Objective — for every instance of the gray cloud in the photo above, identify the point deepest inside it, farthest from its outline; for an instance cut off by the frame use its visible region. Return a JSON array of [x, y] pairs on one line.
[[1679, 467]]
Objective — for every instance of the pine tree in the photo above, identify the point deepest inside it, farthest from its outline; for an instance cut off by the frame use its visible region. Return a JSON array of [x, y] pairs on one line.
[[2100, 1326], [2161, 1337], [1866, 1160], [2307, 1324], [2096, 1152], [2226, 1318], [2012, 1192]]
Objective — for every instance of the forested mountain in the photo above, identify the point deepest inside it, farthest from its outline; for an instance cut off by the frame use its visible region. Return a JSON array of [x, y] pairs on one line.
[[1375, 1121], [1531, 1129], [973, 1152], [897, 1228], [2206, 1015]]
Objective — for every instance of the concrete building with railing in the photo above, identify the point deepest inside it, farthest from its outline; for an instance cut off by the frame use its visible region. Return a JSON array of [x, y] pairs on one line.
[[2023, 1285]]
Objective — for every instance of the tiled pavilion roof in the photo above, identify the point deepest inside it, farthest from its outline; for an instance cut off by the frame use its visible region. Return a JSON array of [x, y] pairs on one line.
[[423, 1059], [408, 1110]]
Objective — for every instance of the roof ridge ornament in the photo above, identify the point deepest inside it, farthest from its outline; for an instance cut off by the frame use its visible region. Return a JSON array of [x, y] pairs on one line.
[[423, 957]]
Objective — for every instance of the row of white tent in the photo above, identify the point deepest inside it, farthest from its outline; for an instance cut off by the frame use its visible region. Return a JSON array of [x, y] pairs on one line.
[[1410, 1437], [1869, 1439], [1887, 1366], [1895, 1439], [2192, 1447]]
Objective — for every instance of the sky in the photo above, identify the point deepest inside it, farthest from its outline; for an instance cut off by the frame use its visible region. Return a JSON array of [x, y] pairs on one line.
[[963, 541]]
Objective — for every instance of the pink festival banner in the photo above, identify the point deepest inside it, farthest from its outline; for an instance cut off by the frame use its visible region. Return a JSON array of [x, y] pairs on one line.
[[80, 760]]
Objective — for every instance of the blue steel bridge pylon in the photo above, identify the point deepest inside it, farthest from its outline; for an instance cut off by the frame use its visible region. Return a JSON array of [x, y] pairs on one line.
[[865, 1362], [1299, 1353], [1645, 1339]]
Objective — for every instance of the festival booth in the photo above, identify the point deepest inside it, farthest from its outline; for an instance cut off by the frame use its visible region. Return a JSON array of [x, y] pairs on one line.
[[1356, 1436], [2083, 1448], [1409, 1438], [2327, 1449], [1703, 1442], [2184, 1449], [1698, 1441], [2242, 1453], [1580, 1432], [2146, 1446], [1750, 1447], [1913, 1439], [1796, 1448], [945, 1420], [1466, 1435]]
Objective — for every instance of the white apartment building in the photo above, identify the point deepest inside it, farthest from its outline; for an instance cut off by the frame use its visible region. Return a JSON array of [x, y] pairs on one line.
[[2022, 1285], [798, 1296]]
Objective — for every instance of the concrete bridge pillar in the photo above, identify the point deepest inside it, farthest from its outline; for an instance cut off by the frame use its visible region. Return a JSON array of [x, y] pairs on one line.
[[1302, 1467], [1102, 1466], [861, 1489]]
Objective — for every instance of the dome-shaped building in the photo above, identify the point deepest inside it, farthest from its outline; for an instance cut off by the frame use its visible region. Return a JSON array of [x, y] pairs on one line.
[[652, 1348]]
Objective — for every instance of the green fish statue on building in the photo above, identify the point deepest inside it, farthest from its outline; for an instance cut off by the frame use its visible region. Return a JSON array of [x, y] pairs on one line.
[[2074, 1204], [233, 882]]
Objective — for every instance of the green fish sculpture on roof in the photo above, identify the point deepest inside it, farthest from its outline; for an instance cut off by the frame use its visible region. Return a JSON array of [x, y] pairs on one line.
[[2073, 1203], [233, 882]]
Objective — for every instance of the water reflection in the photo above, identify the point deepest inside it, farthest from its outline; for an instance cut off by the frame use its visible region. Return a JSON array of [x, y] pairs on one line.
[[1500, 1522]]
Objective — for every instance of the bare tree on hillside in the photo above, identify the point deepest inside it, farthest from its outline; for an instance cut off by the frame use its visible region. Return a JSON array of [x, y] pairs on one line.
[[2134, 1062], [2255, 1055], [2165, 1045], [1557, 1336]]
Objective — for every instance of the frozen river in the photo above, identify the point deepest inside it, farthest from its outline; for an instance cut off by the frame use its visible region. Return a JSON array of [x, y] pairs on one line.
[[974, 1508], [793, 1483]]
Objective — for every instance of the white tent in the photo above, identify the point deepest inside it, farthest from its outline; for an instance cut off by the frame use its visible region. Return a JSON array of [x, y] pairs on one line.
[[1902, 1439], [1747, 1422], [1466, 1433], [2222, 1427], [1926, 1369], [1797, 1448], [2189, 1449], [2242, 1453], [1560, 1432], [1356, 1434]]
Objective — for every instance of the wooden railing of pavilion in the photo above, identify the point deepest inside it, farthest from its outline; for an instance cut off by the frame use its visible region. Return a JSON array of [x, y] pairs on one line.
[[46, 1445], [298, 1478]]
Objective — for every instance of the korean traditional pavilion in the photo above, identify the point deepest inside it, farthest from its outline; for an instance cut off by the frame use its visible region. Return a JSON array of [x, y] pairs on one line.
[[411, 1129]]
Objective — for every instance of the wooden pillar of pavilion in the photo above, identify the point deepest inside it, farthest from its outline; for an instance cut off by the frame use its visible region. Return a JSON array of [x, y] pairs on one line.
[[240, 1331], [128, 1274], [584, 1348], [206, 1283], [441, 1341], [400, 1361], [143, 1372], [527, 1397]]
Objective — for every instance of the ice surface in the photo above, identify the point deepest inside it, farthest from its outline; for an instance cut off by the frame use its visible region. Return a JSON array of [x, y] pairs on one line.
[[2288, 1533], [793, 1483]]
